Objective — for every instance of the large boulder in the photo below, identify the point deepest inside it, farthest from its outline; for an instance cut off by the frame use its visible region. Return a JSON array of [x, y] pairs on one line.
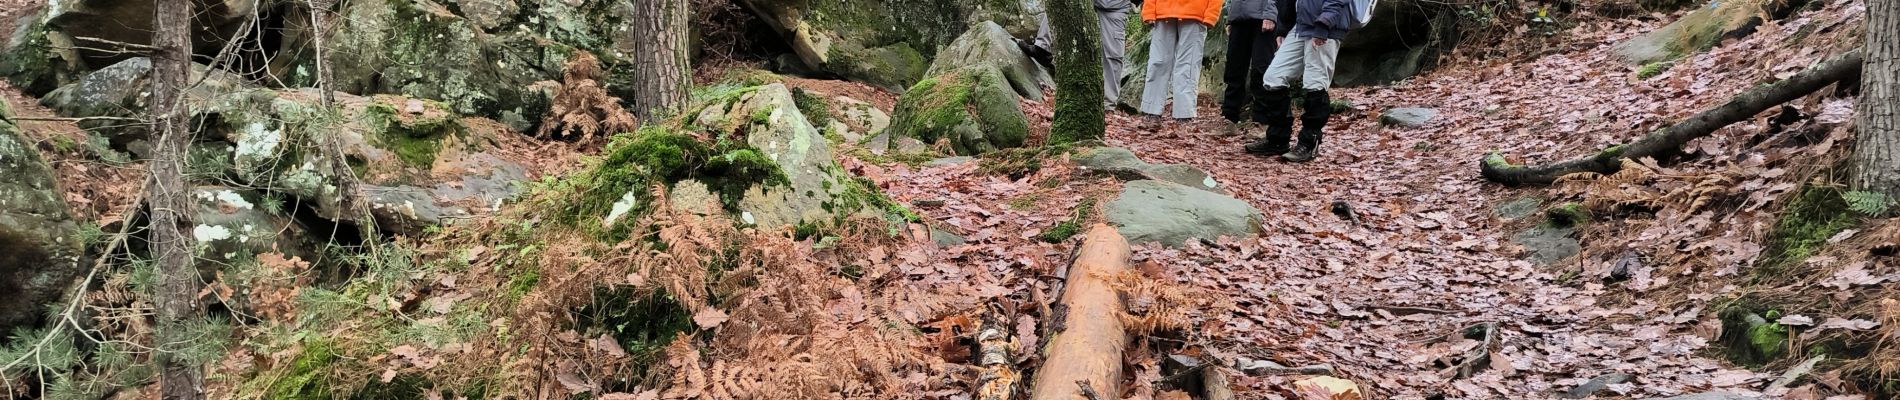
[[422, 49], [781, 175], [1171, 214], [37, 59], [234, 225], [886, 43], [1399, 43], [130, 21], [1696, 31], [974, 109], [416, 162], [39, 243], [121, 91], [988, 44]]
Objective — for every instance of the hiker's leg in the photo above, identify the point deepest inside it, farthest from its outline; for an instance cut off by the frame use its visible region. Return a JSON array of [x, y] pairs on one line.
[[1114, 52], [1161, 40], [1242, 37], [1286, 64], [1264, 47], [1319, 105], [1319, 64], [1190, 40]]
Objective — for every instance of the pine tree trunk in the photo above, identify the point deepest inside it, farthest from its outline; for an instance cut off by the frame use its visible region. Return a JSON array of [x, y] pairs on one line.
[[1078, 45], [1877, 147], [660, 60], [169, 200]]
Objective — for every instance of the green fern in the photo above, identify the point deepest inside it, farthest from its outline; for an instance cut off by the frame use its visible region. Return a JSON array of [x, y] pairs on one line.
[[1869, 203]]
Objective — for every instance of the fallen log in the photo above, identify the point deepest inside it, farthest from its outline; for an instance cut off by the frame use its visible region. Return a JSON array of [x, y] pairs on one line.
[[1085, 356], [1746, 105], [997, 377]]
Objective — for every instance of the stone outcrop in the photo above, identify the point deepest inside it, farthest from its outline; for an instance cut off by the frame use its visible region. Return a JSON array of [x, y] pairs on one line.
[[973, 108]]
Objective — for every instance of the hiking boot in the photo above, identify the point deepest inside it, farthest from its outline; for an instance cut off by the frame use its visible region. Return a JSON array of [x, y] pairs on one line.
[[1318, 109], [1306, 151], [1273, 143]]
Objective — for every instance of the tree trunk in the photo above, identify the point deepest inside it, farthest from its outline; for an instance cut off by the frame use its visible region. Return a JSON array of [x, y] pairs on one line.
[[1877, 147], [660, 60], [169, 200], [1086, 352], [1078, 45], [1743, 106]]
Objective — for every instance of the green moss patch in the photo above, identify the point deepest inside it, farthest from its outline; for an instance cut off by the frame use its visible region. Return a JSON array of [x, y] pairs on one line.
[[307, 376], [1812, 215], [642, 322], [659, 155], [974, 108], [415, 138], [1073, 226]]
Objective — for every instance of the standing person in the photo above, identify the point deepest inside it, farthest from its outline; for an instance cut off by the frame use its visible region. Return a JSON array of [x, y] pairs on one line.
[[1177, 32], [1113, 15], [1254, 31], [1309, 52]]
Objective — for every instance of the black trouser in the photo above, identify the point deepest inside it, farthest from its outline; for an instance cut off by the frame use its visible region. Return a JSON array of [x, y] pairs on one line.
[[1253, 49]]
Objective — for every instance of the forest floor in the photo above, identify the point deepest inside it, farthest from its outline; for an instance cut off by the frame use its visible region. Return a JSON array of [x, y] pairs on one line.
[[1383, 299]]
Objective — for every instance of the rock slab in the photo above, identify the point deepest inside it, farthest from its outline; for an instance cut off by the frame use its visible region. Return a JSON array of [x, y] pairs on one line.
[[1171, 214]]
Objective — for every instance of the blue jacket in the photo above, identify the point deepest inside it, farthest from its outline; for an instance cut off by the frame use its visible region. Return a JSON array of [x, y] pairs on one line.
[[1329, 19], [1253, 9]]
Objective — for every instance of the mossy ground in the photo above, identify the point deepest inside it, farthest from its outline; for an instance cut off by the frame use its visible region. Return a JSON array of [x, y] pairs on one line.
[[1811, 216], [1073, 226]]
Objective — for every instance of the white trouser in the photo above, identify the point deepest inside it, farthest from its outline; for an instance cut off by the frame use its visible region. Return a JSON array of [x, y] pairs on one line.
[[1298, 56], [1174, 67]]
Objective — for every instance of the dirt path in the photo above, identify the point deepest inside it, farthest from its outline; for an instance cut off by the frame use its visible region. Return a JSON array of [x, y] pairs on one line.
[[1385, 299]]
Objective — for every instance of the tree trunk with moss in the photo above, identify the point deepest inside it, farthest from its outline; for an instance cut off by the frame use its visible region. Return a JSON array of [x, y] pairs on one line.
[[661, 63], [169, 202], [1079, 110], [1877, 147]]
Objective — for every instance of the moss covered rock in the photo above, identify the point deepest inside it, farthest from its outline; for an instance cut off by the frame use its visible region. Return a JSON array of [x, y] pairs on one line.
[[973, 108], [420, 48], [37, 59], [1696, 31], [39, 246], [122, 91], [418, 163], [886, 43], [769, 166], [988, 44]]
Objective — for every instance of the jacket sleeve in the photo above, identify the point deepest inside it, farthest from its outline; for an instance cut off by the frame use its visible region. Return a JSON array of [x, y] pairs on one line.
[[1269, 11], [1331, 12], [1213, 11]]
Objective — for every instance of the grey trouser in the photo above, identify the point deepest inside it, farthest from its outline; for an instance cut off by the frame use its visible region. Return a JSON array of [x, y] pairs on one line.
[[1174, 66], [1114, 52], [1299, 57], [1114, 48]]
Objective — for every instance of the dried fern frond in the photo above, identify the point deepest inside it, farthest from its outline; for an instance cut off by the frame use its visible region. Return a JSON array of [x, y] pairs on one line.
[[582, 110]]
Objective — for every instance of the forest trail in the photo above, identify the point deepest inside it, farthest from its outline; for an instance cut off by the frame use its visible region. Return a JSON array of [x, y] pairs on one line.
[[1385, 298]]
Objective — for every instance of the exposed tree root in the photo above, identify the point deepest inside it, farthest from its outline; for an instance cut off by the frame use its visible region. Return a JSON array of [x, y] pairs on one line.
[[1846, 65]]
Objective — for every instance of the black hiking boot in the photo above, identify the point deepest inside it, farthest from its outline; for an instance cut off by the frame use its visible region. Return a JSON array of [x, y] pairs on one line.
[[1278, 117], [1319, 108]]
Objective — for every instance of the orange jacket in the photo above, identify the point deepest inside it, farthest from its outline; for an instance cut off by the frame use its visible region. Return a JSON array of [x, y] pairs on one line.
[[1205, 11]]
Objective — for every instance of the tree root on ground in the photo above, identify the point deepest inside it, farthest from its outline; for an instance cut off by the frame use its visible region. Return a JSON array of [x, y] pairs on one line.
[[1746, 105]]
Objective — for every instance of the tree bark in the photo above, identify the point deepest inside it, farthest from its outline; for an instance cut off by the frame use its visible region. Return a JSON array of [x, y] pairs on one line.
[[1877, 147], [169, 199], [1079, 113], [1744, 106], [1089, 347], [660, 59]]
